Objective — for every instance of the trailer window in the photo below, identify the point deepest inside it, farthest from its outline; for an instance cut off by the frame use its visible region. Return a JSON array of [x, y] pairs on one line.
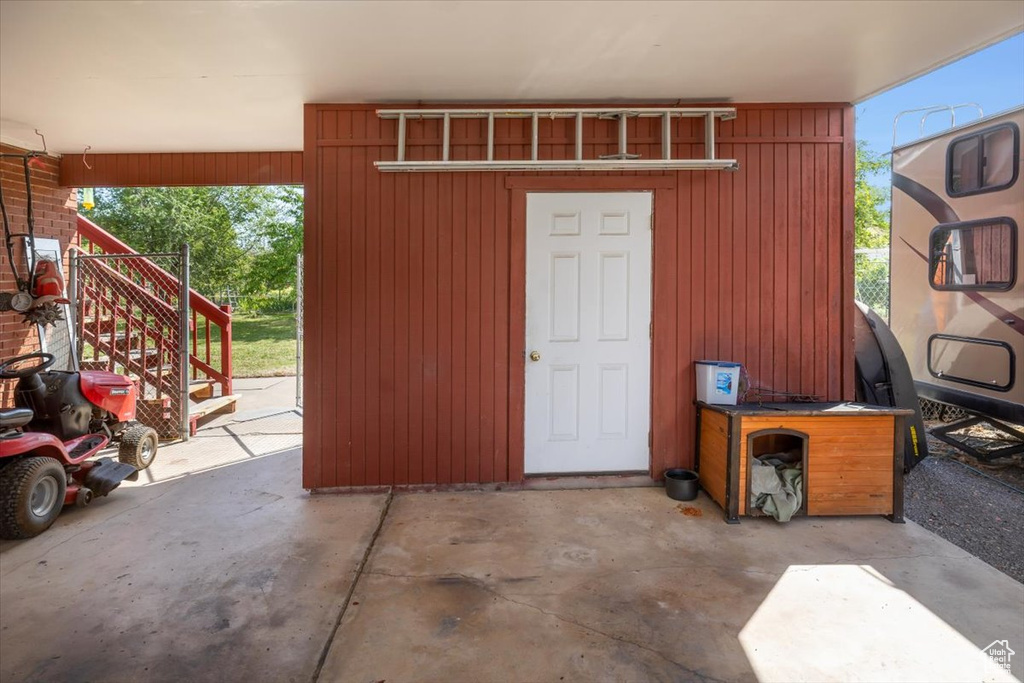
[[984, 363], [985, 161], [975, 255]]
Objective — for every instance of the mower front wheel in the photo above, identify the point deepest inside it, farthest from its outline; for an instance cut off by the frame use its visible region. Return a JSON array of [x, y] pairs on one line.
[[31, 496], [138, 446]]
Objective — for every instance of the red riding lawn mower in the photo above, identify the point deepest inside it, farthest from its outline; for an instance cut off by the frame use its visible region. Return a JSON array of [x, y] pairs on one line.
[[61, 420]]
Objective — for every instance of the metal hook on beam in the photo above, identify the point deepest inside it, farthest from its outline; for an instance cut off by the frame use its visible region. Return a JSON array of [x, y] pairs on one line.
[[84, 152], [44, 140]]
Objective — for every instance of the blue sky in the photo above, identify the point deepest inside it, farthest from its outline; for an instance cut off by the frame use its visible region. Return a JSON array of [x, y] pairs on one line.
[[993, 77]]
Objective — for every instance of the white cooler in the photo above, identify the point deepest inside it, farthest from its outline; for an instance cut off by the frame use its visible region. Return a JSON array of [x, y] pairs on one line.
[[718, 382]]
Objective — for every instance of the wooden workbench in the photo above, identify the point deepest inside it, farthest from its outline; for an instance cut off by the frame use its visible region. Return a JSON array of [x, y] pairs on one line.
[[852, 454]]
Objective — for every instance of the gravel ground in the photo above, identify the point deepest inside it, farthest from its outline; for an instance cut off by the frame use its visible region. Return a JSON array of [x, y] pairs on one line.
[[980, 515]]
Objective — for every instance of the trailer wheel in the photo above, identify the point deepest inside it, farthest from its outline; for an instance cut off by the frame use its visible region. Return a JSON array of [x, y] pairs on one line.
[[138, 446], [31, 496]]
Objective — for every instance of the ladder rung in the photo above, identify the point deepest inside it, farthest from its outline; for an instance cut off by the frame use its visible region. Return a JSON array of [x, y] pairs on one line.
[[401, 137], [447, 143], [623, 152], [666, 137], [579, 136], [490, 137], [709, 137], [534, 137]]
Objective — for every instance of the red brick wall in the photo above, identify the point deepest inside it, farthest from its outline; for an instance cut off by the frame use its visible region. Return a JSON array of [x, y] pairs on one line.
[[55, 209]]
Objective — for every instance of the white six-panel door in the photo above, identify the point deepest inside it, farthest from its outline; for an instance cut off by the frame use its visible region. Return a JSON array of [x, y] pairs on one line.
[[588, 347]]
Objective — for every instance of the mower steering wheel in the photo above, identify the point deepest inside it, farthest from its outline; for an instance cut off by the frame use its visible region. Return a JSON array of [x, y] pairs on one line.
[[7, 371]]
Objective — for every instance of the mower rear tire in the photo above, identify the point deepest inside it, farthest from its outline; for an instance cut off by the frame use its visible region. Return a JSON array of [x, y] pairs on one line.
[[31, 496], [138, 446]]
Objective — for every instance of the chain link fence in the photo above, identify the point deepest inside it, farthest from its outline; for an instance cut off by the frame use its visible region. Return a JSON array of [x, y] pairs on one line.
[[942, 412], [298, 331], [131, 317], [871, 281]]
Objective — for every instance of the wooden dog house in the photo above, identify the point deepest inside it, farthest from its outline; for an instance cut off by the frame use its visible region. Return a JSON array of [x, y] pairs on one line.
[[852, 455]]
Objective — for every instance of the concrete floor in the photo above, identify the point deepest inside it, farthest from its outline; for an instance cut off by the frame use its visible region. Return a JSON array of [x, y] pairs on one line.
[[265, 422], [234, 574], [624, 585], [230, 572]]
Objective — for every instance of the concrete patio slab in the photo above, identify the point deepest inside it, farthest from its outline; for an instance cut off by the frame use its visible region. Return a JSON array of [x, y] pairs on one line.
[[258, 397], [241, 438], [626, 584], [227, 575], [235, 573]]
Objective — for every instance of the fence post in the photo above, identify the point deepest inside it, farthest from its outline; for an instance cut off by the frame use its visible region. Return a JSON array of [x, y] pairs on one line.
[[298, 330], [183, 303], [225, 352], [73, 307]]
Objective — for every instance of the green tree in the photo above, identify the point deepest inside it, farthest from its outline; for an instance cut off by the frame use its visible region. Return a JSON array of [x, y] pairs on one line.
[[871, 230], [241, 238], [274, 239], [871, 212]]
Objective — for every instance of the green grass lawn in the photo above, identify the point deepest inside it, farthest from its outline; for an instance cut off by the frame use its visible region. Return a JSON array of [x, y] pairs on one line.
[[262, 346]]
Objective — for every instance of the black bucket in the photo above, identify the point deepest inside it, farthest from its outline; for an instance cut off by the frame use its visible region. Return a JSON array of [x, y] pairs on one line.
[[681, 484]]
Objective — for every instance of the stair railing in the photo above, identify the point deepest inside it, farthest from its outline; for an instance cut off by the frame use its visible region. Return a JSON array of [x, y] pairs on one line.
[[205, 314]]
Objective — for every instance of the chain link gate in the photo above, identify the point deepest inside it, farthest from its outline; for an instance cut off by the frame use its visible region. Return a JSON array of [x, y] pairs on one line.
[[131, 317], [298, 331]]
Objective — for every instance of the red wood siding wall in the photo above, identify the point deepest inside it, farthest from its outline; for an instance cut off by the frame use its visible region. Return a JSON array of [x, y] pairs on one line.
[[184, 169], [415, 283]]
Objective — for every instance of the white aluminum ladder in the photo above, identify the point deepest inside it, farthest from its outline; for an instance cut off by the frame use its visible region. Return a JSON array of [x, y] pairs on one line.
[[622, 160]]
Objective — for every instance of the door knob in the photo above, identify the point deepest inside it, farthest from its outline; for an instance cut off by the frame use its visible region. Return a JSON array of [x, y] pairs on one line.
[[535, 356]]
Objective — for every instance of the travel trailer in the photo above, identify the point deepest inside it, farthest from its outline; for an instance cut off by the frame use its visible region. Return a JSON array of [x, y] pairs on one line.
[[957, 300]]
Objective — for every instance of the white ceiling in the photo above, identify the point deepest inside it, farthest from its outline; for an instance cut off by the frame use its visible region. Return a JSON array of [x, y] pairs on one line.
[[219, 76]]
